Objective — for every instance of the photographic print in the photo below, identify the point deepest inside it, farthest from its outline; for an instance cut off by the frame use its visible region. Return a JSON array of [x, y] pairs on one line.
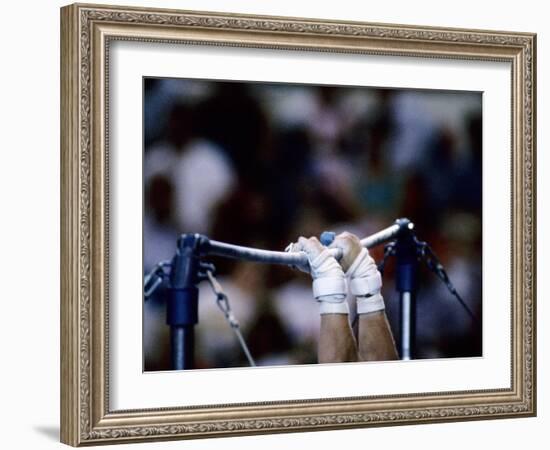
[[253, 207], [261, 165]]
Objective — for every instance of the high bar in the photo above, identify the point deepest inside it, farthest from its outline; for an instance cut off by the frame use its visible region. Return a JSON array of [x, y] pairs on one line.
[[298, 259]]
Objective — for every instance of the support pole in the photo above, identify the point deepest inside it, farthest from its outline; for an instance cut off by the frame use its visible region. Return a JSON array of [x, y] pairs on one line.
[[182, 311], [406, 285]]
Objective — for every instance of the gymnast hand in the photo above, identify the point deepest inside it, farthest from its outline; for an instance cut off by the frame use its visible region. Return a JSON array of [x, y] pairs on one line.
[[364, 279], [375, 338], [329, 282]]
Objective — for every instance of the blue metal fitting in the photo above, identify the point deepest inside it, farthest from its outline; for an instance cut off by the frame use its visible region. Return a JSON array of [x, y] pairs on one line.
[[327, 237]]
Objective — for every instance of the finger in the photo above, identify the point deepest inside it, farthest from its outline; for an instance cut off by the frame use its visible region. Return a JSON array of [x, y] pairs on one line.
[[345, 234], [300, 245], [308, 245], [341, 241], [314, 240], [315, 244]]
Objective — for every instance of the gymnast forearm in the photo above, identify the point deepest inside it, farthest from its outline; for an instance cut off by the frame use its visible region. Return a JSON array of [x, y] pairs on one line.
[[375, 338], [336, 341]]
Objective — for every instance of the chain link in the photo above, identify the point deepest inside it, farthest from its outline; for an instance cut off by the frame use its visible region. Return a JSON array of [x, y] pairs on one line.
[[223, 303]]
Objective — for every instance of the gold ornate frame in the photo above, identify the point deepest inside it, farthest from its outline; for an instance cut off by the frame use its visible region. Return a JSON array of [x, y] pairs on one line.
[[86, 31]]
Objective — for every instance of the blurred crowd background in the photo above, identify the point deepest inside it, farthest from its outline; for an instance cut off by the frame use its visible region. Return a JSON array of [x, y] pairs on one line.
[[260, 164]]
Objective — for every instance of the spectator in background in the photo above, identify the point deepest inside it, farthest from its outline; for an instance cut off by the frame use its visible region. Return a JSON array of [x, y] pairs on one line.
[[160, 157], [185, 152], [378, 187], [469, 173], [197, 197], [158, 225]]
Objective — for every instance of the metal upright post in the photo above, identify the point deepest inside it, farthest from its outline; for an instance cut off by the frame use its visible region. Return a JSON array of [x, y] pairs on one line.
[[406, 285], [182, 311]]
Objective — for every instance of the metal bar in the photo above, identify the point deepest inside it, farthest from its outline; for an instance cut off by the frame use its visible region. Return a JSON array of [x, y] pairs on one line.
[[297, 259], [254, 254], [385, 235]]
